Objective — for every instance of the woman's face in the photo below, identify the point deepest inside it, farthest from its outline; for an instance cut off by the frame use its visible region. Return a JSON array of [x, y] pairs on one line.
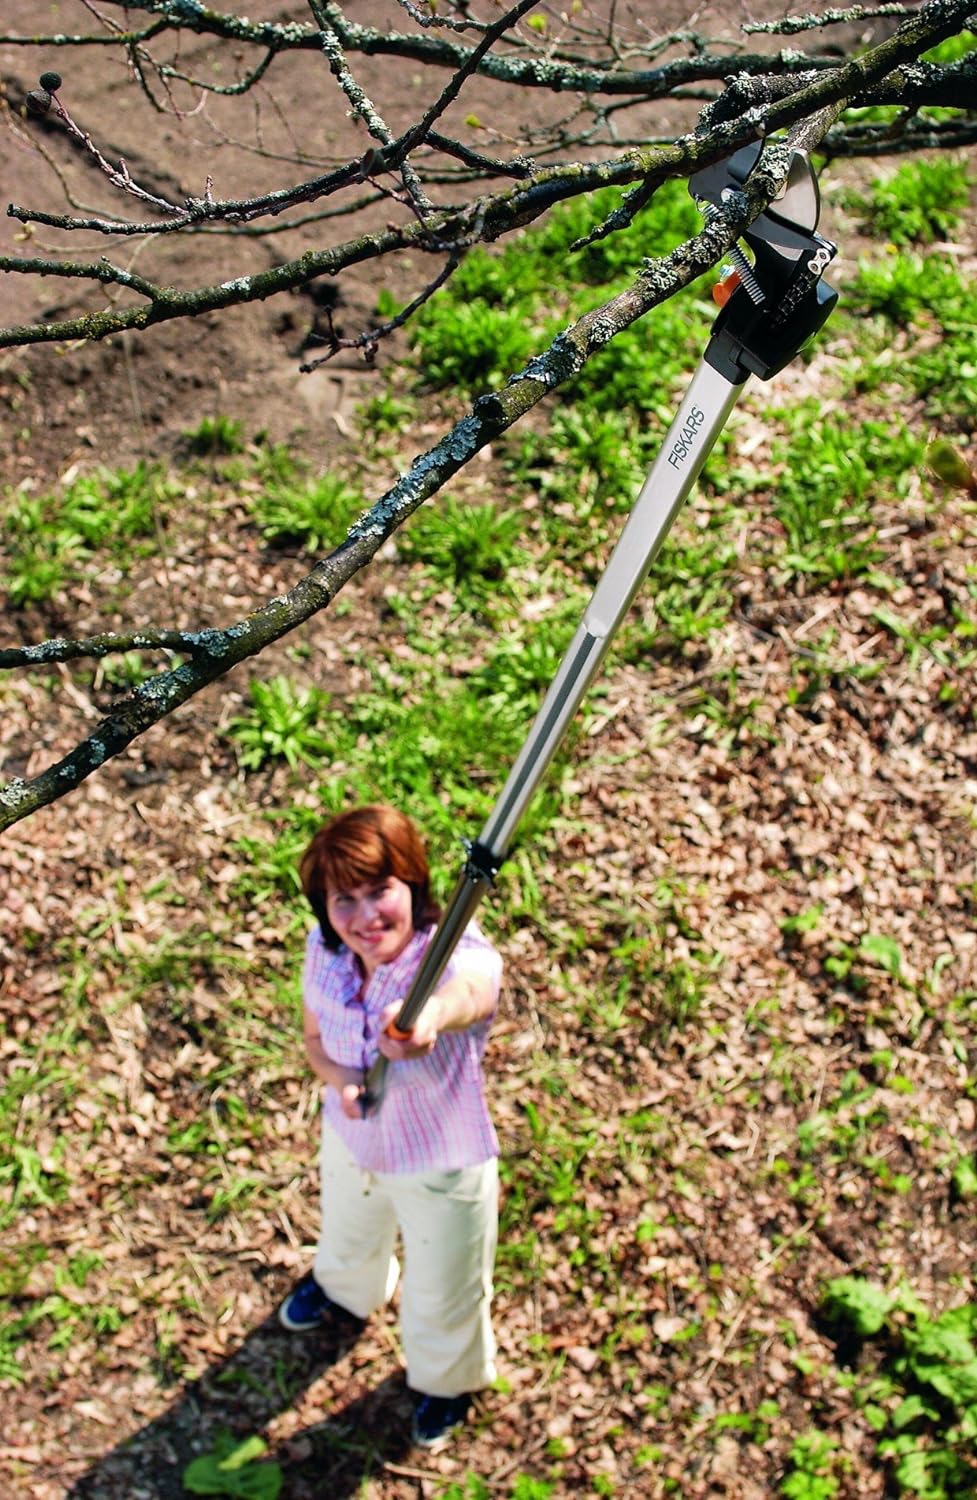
[[373, 919]]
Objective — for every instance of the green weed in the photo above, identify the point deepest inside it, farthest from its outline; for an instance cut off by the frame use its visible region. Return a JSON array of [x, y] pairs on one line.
[[923, 642], [928, 297], [963, 1179], [812, 1457], [645, 368], [124, 671], [234, 1470], [41, 563], [472, 548], [808, 920], [873, 950], [720, 714], [472, 345], [269, 867], [902, 288], [918, 203], [215, 437], [927, 1367], [689, 591], [953, 49], [472, 1487], [33, 1179], [50, 540], [232, 1197], [386, 412], [276, 464], [832, 475], [60, 1319], [753, 1425], [283, 723], [647, 982], [844, 1126], [511, 681], [314, 515]]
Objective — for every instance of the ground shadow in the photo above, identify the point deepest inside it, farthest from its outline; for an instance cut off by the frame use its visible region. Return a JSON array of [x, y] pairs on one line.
[[241, 1395]]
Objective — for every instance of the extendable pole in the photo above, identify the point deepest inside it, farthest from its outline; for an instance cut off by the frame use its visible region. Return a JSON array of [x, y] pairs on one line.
[[690, 438], [760, 328]]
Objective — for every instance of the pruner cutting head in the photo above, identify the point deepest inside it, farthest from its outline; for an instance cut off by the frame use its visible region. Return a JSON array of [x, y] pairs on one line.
[[771, 306]]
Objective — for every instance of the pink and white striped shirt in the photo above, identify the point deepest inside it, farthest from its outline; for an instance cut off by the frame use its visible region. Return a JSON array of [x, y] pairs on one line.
[[434, 1117]]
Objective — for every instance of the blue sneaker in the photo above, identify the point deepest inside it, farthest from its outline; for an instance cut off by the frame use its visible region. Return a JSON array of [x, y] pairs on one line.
[[306, 1307], [436, 1417]]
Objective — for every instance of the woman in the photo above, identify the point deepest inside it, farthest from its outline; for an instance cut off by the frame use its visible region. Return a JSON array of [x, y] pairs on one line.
[[425, 1163]]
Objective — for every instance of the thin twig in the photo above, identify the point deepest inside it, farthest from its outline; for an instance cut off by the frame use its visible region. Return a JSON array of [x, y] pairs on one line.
[[450, 92], [369, 341], [110, 643], [119, 176], [361, 104], [428, 18]]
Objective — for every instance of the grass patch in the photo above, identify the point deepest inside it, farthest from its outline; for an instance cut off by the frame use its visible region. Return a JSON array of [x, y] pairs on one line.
[[312, 514], [470, 548], [918, 203], [107, 518], [831, 476]]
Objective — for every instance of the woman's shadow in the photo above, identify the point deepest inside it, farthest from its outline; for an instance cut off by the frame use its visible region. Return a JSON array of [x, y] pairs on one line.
[[238, 1397]]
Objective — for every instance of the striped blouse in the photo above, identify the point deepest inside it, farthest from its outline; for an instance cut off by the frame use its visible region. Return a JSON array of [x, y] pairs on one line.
[[434, 1117]]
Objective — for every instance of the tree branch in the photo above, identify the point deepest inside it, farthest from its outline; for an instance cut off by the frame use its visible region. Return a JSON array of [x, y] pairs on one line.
[[370, 340], [109, 643], [363, 107], [602, 76], [792, 25], [862, 78], [216, 651]]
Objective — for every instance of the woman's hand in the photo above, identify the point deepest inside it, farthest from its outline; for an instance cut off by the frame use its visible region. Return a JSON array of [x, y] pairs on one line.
[[350, 1097], [421, 1039], [460, 1002]]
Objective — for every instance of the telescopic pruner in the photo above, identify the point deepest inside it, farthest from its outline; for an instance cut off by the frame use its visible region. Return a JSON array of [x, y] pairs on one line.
[[770, 309]]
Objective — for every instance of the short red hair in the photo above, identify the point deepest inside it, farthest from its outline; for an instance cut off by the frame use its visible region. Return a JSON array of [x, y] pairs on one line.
[[367, 843]]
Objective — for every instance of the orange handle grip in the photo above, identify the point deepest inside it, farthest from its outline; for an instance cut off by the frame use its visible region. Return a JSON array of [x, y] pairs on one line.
[[724, 289], [395, 1033]]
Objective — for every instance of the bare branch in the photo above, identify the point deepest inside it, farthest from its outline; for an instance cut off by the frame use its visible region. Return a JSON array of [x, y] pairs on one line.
[[864, 78], [220, 650], [430, 18], [593, 76], [118, 176], [102, 271], [363, 107], [478, 161], [226, 90], [369, 342], [791, 25], [109, 643], [449, 93]]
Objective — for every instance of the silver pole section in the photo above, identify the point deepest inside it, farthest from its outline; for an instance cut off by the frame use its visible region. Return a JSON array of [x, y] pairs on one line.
[[700, 420], [687, 445]]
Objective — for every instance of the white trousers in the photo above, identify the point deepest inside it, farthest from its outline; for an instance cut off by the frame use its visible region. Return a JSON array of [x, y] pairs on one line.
[[448, 1223]]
